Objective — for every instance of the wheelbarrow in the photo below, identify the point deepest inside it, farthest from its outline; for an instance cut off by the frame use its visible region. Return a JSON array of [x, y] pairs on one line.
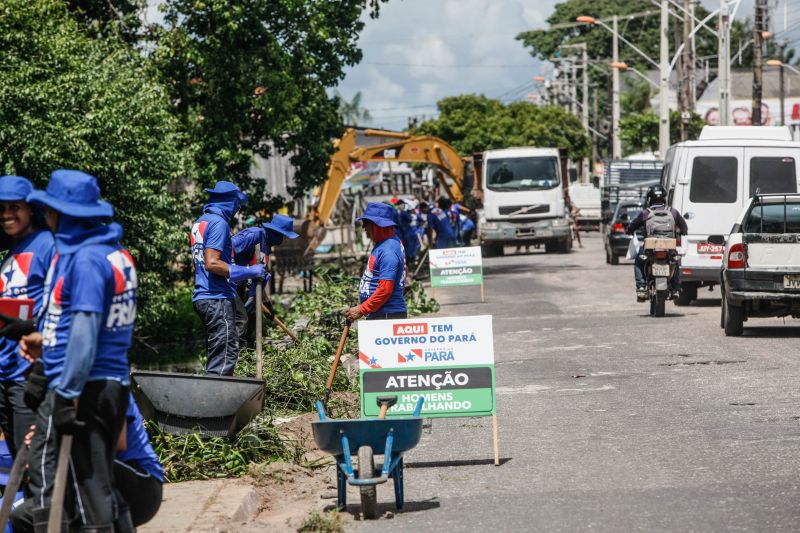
[[391, 436]]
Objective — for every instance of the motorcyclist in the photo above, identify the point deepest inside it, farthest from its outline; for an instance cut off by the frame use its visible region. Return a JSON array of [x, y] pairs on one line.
[[655, 200]]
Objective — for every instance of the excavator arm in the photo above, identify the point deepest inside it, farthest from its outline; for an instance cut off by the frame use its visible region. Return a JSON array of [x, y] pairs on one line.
[[401, 148]]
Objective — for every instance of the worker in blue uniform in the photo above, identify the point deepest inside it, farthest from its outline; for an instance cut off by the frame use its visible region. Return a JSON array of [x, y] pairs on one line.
[[83, 338], [215, 275], [22, 275], [269, 235], [381, 287], [439, 224]]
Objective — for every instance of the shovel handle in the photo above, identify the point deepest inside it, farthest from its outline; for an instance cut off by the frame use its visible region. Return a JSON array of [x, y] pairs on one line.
[[336, 359], [60, 485], [259, 325], [14, 481], [280, 324]]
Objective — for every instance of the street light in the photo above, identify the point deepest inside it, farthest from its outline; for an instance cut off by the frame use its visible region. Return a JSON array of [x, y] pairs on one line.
[[619, 65]]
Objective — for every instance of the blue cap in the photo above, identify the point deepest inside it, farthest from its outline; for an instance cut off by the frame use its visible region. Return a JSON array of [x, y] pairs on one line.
[[226, 188], [283, 225], [73, 193], [14, 188], [380, 214]]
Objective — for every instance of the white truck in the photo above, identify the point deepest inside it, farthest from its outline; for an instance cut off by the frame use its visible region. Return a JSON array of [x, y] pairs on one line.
[[523, 200]]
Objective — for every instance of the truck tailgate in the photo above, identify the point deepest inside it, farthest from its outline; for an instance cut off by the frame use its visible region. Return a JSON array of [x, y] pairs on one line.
[[773, 251]]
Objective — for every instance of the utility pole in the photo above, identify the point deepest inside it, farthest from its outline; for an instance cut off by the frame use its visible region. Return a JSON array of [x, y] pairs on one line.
[[585, 108], [687, 69], [663, 129], [758, 61], [573, 88], [782, 57], [724, 69], [616, 144]]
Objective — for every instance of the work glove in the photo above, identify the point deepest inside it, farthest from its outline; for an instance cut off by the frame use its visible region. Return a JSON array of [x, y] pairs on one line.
[[65, 416], [35, 387], [243, 273], [15, 328]]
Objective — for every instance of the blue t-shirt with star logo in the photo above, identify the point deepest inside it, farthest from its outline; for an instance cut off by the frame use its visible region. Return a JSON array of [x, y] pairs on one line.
[[22, 275], [98, 278]]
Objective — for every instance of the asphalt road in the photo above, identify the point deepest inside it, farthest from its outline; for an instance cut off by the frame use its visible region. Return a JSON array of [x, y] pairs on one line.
[[611, 420]]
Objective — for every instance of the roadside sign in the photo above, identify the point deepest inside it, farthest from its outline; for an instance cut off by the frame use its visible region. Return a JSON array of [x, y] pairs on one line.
[[456, 267], [449, 361]]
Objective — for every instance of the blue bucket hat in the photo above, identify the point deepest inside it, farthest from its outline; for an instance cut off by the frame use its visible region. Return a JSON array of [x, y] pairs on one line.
[[14, 188], [73, 193], [283, 225], [380, 214], [228, 189]]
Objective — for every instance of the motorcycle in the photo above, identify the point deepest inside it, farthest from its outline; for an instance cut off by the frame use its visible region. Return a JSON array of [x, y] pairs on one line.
[[661, 260]]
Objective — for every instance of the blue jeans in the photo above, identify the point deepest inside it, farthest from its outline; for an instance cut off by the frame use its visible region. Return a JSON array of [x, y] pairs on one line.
[[222, 335]]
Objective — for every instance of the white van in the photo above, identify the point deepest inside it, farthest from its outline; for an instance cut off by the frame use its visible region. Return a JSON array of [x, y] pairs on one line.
[[710, 180]]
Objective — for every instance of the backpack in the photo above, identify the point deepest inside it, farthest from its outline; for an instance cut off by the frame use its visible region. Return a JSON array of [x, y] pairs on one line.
[[660, 222]]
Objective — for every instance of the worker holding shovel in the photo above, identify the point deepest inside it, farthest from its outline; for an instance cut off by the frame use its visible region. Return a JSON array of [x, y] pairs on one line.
[[83, 339], [381, 288], [269, 235]]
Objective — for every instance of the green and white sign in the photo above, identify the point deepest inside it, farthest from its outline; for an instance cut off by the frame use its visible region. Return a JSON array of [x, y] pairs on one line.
[[456, 267], [449, 361]]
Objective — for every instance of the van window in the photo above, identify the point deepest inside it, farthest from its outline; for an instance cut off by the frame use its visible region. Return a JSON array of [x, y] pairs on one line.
[[772, 175], [715, 180], [773, 218]]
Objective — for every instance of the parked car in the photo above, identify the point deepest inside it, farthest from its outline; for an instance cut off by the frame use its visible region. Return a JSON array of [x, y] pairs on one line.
[[616, 240], [761, 271], [712, 179]]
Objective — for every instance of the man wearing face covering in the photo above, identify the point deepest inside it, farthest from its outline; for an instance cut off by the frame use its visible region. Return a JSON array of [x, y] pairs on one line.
[[216, 275], [270, 234], [381, 287]]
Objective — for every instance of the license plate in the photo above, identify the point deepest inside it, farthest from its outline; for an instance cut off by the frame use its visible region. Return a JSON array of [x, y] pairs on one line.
[[791, 281], [708, 248], [661, 271]]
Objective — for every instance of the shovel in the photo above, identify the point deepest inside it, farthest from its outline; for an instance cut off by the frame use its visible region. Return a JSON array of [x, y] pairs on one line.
[[280, 324], [336, 359], [385, 402], [14, 481], [259, 326], [54, 524]]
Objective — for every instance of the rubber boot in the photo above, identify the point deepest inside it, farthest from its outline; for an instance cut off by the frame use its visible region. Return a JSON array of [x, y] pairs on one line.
[[41, 517], [124, 522]]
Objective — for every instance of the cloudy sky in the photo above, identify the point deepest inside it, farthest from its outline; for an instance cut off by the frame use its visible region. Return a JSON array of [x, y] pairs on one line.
[[419, 51]]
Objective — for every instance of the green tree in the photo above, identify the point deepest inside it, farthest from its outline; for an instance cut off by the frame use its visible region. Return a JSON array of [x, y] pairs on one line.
[[70, 101], [250, 76], [351, 111], [472, 123], [110, 17], [640, 131]]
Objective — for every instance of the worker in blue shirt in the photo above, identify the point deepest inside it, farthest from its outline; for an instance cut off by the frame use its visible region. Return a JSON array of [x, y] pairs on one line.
[[381, 288], [270, 234], [215, 275], [407, 226], [83, 338], [439, 223], [138, 474], [22, 275]]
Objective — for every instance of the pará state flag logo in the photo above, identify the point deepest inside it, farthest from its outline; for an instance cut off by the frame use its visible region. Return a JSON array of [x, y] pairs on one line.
[[198, 233], [122, 312], [14, 275], [410, 356]]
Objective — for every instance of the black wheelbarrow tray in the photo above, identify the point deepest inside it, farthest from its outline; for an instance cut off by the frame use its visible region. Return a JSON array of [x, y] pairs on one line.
[[368, 437]]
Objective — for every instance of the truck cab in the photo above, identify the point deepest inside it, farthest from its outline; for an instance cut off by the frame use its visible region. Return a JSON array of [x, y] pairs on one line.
[[523, 200]]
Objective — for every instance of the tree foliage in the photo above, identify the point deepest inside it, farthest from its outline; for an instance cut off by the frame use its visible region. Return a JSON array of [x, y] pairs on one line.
[[640, 131], [350, 111], [71, 101], [250, 76], [107, 17], [472, 123]]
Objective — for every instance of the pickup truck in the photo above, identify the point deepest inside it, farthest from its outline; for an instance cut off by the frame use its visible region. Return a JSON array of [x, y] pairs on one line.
[[760, 275]]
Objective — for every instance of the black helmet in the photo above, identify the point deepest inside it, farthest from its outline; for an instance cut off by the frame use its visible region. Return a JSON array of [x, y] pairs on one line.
[[656, 195]]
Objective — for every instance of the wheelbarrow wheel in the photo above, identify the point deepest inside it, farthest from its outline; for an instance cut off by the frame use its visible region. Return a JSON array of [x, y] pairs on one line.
[[369, 493]]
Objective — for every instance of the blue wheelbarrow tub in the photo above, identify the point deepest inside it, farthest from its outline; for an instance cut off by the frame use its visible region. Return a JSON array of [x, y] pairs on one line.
[[367, 432]]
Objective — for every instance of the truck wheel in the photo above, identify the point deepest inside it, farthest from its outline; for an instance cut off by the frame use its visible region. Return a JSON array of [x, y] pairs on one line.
[[614, 259], [550, 247], [369, 493], [565, 246], [492, 250], [733, 318], [660, 303]]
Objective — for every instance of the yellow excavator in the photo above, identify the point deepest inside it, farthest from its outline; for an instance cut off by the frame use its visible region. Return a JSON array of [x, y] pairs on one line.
[[391, 147]]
